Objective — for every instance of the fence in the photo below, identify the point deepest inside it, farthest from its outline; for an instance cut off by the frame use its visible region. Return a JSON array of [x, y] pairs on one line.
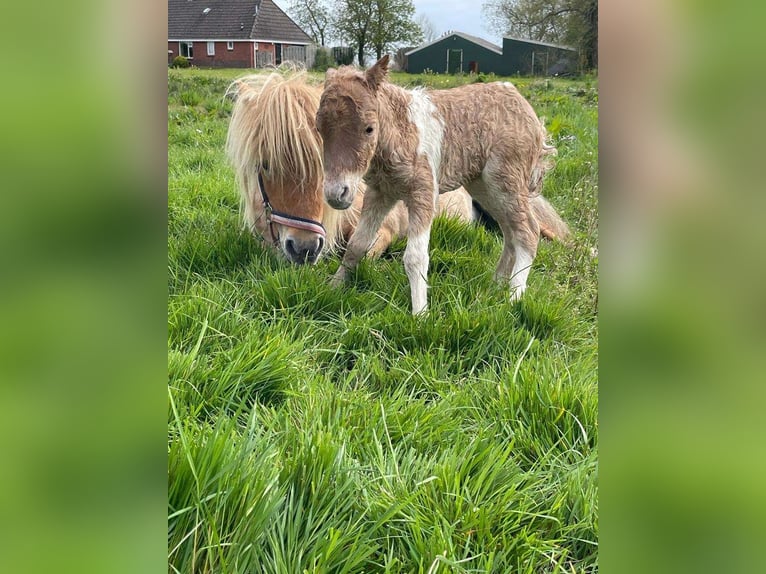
[[302, 55]]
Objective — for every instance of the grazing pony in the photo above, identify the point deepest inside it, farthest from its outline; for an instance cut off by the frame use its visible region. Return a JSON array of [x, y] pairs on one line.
[[276, 152], [412, 145]]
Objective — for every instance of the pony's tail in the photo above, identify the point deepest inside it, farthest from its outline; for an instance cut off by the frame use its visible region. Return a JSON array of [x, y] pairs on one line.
[[551, 224]]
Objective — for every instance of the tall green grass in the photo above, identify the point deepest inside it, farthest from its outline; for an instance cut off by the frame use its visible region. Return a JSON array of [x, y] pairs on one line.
[[315, 430]]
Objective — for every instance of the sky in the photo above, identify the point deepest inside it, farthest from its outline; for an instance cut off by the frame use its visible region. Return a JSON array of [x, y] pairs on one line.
[[456, 16]]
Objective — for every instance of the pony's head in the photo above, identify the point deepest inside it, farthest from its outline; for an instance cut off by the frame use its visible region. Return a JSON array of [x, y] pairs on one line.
[[347, 120], [275, 149]]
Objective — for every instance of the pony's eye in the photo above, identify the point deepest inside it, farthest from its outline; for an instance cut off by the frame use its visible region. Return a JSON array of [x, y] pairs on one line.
[[369, 129]]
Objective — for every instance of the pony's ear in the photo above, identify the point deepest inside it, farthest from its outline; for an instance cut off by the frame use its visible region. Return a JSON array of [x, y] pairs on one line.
[[377, 73]]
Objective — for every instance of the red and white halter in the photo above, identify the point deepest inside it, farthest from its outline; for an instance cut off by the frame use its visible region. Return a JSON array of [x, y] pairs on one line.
[[273, 216]]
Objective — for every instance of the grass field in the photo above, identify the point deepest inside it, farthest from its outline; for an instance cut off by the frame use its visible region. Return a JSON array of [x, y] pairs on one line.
[[315, 430]]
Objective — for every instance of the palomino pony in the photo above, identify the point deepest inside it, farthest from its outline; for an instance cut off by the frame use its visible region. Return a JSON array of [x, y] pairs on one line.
[[412, 145], [276, 153]]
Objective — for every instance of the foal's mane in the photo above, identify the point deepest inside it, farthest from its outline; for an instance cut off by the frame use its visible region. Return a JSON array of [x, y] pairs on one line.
[[272, 124]]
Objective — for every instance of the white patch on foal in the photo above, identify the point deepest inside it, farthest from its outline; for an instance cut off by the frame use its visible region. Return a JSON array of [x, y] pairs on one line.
[[416, 266], [520, 272], [424, 115]]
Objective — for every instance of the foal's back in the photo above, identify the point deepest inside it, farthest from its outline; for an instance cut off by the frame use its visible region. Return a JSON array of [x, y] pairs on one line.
[[482, 122]]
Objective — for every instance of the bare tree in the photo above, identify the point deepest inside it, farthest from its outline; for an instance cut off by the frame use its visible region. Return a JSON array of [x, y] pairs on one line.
[[572, 22], [427, 27], [314, 16]]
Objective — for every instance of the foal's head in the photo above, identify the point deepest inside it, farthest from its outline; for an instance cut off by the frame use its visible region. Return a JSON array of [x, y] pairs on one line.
[[276, 151], [347, 120]]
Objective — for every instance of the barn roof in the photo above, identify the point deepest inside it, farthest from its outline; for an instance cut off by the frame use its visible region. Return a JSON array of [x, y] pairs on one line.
[[559, 46], [475, 39], [232, 20]]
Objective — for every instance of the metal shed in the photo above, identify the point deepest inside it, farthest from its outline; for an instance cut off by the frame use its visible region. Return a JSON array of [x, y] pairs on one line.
[[455, 52]]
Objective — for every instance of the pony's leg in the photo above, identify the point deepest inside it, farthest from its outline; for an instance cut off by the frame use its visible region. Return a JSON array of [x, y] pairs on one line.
[[421, 207], [509, 207], [374, 210]]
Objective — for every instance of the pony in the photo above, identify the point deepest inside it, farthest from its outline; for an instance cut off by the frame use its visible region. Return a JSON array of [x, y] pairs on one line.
[[276, 152], [412, 145]]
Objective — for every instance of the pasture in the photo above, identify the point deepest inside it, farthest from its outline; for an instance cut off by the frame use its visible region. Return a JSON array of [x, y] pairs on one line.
[[329, 431]]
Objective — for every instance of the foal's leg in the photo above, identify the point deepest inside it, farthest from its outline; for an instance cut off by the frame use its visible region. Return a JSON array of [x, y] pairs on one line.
[[421, 208], [374, 210], [506, 201]]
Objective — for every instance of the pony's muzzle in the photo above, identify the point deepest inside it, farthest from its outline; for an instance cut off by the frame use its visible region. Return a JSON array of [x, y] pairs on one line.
[[304, 251]]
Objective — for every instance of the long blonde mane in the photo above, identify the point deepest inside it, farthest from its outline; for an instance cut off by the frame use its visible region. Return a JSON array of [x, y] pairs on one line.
[[273, 123]]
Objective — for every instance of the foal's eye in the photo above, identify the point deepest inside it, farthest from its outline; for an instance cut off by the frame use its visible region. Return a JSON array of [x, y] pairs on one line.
[[368, 130], [265, 166]]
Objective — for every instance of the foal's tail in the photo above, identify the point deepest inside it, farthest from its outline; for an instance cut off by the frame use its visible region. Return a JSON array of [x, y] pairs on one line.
[[551, 224]]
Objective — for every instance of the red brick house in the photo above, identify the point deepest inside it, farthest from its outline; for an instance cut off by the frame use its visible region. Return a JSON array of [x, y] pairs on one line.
[[235, 34]]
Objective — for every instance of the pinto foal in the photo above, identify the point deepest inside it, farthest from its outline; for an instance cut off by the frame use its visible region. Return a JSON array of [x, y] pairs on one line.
[[412, 145]]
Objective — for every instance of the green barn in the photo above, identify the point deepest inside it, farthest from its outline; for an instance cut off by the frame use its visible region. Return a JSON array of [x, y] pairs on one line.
[[532, 58], [457, 52], [452, 53]]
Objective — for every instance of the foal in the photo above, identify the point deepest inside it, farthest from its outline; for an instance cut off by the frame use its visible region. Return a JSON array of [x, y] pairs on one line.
[[412, 145]]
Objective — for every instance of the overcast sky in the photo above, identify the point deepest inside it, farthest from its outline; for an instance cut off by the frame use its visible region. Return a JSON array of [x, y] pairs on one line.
[[456, 16]]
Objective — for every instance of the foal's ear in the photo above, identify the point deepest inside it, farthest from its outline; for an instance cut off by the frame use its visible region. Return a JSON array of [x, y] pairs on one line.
[[377, 73], [330, 73]]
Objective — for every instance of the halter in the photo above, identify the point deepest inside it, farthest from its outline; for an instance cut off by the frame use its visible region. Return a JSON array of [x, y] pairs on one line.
[[273, 216]]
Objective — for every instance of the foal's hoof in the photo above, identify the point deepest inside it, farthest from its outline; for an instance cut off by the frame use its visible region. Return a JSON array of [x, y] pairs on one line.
[[516, 293], [339, 278]]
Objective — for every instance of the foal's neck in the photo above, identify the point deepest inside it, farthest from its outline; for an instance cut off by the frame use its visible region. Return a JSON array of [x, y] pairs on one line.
[[393, 119]]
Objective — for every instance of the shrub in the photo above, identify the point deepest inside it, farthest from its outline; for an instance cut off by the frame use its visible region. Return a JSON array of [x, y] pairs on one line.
[[485, 78], [344, 55], [180, 62], [323, 60], [190, 98]]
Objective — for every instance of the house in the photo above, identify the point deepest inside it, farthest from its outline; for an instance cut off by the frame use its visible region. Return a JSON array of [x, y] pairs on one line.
[[235, 34], [457, 52]]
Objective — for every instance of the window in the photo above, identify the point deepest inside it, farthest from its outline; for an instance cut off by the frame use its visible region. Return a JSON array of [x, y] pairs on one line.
[[211, 48], [186, 49], [229, 45]]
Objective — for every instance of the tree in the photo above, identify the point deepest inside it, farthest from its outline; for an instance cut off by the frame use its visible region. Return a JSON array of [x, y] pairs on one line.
[[352, 22], [313, 16], [392, 24], [571, 22], [426, 27], [376, 24]]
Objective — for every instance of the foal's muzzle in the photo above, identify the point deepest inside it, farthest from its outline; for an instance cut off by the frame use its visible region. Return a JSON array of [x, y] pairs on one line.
[[340, 194]]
